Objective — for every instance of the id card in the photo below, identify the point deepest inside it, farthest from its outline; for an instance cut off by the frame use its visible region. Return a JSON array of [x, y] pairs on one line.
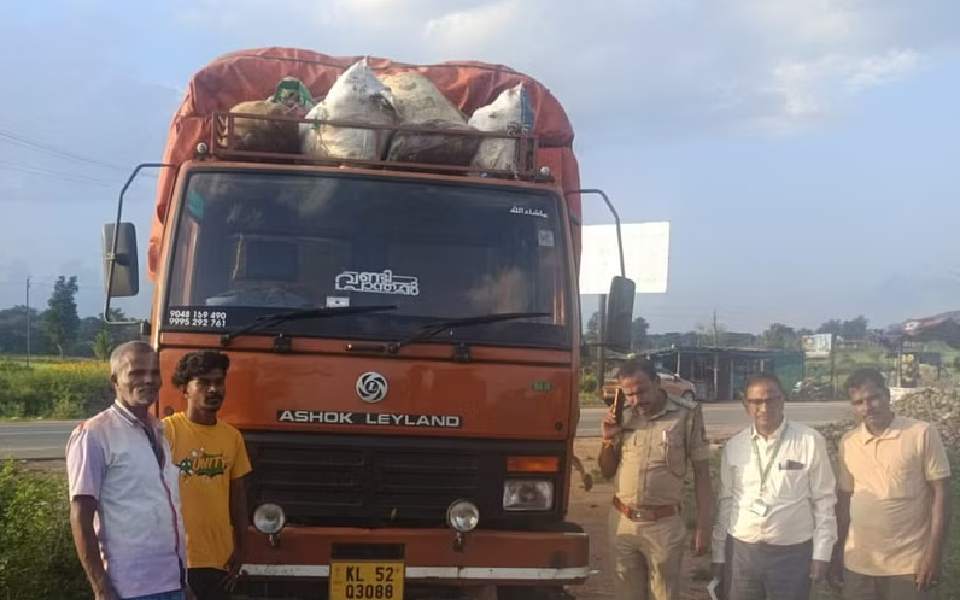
[[712, 588], [758, 508]]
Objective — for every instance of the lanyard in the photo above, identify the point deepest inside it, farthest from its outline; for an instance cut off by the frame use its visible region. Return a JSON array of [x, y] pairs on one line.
[[765, 471]]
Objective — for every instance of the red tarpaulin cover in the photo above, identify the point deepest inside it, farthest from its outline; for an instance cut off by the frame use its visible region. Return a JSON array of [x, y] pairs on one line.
[[254, 74]]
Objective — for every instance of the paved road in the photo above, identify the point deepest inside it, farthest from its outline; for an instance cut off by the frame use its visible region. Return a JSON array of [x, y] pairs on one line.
[[36, 439], [45, 439]]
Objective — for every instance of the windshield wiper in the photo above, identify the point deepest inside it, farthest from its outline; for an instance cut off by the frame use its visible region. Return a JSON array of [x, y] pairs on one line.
[[431, 329], [271, 319]]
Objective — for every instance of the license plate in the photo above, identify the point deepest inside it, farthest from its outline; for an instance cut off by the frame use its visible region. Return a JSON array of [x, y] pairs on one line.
[[366, 580]]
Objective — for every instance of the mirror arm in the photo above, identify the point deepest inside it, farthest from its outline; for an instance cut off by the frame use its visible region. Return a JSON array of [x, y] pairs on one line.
[[616, 219], [112, 258]]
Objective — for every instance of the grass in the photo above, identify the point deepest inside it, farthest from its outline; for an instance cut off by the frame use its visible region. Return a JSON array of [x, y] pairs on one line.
[[37, 556]]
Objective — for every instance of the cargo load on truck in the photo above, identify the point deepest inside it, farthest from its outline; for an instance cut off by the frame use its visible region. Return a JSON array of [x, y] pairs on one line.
[[357, 95], [253, 75], [419, 102]]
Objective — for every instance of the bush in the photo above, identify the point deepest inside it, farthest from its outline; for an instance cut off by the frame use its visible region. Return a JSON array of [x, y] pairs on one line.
[[37, 556], [64, 390], [588, 384]]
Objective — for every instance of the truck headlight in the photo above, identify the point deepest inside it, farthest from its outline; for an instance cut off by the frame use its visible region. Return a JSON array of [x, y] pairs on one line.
[[269, 518], [463, 515], [527, 494]]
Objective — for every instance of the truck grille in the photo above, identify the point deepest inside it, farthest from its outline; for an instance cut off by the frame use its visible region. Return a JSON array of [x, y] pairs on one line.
[[369, 481]]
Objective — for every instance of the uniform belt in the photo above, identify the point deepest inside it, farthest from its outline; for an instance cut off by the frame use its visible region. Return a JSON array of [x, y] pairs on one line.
[[646, 513]]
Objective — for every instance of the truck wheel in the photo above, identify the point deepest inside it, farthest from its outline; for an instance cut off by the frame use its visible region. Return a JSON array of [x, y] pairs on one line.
[[688, 396]]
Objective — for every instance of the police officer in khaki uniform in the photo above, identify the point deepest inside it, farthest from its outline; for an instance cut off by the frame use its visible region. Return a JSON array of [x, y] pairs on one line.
[[649, 452]]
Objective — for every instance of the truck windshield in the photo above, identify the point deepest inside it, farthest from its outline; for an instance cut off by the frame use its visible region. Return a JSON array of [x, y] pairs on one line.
[[248, 243]]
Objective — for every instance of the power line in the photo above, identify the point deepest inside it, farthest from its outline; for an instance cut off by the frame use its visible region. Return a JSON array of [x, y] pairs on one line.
[[28, 143], [69, 177], [23, 141]]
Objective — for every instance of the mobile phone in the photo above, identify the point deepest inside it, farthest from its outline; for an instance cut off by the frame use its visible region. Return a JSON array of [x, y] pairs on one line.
[[618, 402]]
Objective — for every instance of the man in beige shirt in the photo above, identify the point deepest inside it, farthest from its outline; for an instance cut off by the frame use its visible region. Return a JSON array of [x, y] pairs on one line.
[[649, 453], [893, 507]]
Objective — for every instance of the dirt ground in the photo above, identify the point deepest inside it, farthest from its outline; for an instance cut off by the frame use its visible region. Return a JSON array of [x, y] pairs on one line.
[[590, 510]]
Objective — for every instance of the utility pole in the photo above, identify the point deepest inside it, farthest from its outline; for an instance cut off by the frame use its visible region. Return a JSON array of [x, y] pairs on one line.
[[601, 354], [28, 321], [716, 333], [833, 366]]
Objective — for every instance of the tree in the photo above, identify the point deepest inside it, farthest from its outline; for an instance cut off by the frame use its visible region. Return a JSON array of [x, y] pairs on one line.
[[638, 330], [671, 340], [832, 326], [102, 346], [88, 329], [740, 340], [712, 334], [780, 336], [13, 331], [60, 320], [854, 329], [95, 334], [592, 334]]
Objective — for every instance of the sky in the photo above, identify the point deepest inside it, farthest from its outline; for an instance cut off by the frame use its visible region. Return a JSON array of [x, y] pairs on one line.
[[803, 152]]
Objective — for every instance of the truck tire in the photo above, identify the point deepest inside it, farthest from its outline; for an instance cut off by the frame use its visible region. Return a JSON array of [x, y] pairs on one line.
[[688, 396]]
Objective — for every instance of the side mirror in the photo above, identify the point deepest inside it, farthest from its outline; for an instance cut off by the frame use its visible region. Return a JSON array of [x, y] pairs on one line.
[[617, 334], [126, 263]]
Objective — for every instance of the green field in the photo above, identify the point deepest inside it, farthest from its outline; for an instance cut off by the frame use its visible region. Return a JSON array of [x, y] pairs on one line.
[[53, 388]]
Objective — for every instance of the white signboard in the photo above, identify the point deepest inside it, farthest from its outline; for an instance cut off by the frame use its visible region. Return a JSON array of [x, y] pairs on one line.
[[646, 249], [817, 345]]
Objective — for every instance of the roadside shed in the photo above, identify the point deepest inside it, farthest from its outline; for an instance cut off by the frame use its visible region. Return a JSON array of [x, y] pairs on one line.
[[719, 373]]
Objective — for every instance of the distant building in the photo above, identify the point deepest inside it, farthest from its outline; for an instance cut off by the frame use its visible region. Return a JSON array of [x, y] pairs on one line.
[[944, 327]]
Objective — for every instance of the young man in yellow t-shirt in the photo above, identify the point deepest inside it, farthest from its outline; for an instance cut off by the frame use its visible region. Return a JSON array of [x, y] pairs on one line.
[[213, 461]]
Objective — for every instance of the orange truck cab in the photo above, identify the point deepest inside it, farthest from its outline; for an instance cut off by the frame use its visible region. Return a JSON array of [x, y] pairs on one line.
[[404, 340]]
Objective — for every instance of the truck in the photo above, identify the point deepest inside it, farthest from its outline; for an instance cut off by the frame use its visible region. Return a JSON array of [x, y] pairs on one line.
[[404, 339]]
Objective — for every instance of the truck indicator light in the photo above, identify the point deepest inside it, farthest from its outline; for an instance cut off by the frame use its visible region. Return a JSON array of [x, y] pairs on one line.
[[533, 464]]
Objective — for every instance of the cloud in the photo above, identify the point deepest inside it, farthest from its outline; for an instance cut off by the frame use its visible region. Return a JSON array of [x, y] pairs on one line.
[[473, 27], [655, 67], [808, 90], [879, 70]]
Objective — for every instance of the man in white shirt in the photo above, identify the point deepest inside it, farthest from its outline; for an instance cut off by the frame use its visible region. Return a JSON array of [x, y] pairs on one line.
[[776, 524], [124, 491]]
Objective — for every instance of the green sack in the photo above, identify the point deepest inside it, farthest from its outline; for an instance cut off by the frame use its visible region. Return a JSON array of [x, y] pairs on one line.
[[291, 92]]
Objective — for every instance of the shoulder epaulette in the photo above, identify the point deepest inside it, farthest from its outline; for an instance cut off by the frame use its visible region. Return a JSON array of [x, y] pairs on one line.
[[683, 402]]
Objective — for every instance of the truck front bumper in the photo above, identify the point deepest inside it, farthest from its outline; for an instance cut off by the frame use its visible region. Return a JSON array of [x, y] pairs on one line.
[[429, 555]]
